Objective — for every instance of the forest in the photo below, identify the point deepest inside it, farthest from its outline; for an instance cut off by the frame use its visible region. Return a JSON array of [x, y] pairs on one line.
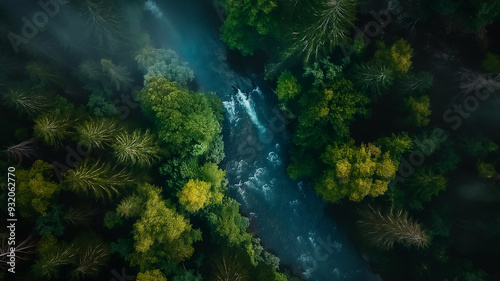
[[124, 154]]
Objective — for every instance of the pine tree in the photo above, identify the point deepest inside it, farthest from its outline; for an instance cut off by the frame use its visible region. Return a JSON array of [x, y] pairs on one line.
[[22, 151], [383, 230], [118, 74], [44, 74], [374, 77], [96, 178], [136, 149], [27, 100], [97, 132], [50, 261], [52, 127], [92, 258], [330, 28], [228, 268]]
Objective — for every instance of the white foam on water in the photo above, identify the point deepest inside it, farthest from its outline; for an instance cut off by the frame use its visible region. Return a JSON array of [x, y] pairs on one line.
[[274, 158], [230, 107], [249, 106]]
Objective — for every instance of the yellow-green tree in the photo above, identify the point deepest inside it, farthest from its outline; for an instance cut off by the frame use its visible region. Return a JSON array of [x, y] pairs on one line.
[[355, 172], [288, 86], [419, 109], [151, 275], [194, 195], [398, 56], [35, 189], [161, 233]]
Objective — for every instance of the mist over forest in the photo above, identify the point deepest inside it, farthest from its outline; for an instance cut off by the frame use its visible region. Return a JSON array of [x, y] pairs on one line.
[[231, 140]]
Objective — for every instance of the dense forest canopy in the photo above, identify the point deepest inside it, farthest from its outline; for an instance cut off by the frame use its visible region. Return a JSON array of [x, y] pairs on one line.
[[118, 157]]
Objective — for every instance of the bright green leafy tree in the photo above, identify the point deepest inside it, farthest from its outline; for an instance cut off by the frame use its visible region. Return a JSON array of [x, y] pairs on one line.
[[184, 120], [288, 86]]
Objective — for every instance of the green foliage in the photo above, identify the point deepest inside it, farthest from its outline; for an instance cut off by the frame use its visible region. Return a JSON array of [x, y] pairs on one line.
[[195, 195], [383, 230], [330, 27], [96, 132], [440, 225], [97, 179], [44, 74], [161, 233], [486, 170], [151, 275], [185, 120], [118, 75], [179, 170], [323, 72], [480, 275], [27, 100], [123, 247], [81, 215], [51, 224], [229, 267], [419, 109], [112, 220], [103, 21], [130, 207], [164, 63], [92, 257], [90, 70], [52, 258], [417, 83], [398, 56], [136, 149], [215, 152], [374, 77], [35, 189], [396, 144], [492, 63], [477, 146], [211, 173], [101, 107], [188, 276], [332, 108], [355, 172], [288, 86], [147, 57], [53, 127], [227, 226], [247, 22], [424, 183]]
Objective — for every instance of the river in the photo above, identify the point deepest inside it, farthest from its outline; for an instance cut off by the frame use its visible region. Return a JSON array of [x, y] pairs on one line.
[[287, 215]]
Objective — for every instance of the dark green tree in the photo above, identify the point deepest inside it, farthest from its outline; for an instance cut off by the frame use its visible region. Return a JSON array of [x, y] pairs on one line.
[[247, 23]]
